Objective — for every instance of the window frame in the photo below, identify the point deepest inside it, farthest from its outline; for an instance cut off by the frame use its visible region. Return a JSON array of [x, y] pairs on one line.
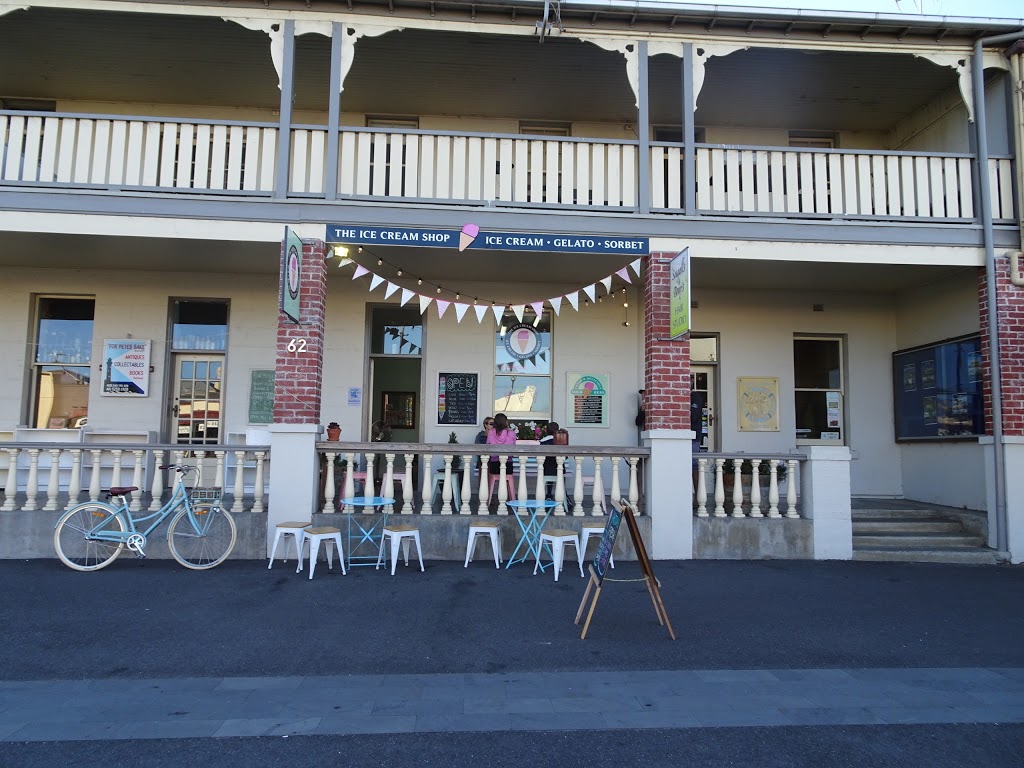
[[507, 321], [844, 439], [36, 368]]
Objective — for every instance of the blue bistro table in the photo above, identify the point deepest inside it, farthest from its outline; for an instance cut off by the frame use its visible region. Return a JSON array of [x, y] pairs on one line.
[[358, 534], [531, 525]]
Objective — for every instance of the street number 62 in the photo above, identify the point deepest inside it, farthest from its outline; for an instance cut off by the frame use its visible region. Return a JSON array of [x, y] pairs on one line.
[[297, 345]]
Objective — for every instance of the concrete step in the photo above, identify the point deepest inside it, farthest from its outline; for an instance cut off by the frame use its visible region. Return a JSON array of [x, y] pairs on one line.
[[910, 540], [905, 514], [913, 525], [966, 555]]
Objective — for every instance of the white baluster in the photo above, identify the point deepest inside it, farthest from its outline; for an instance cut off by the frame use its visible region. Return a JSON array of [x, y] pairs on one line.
[[560, 486], [11, 485], [597, 498], [719, 487], [539, 489], [257, 488], [350, 480], [328, 506], [483, 498], [521, 489], [577, 487], [773, 488], [446, 486], [75, 481], [427, 492], [634, 486], [702, 488], [369, 487], [466, 486], [502, 486], [156, 490], [407, 490], [218, 483], [238, 491], [791, 489], [755, 489], [616, 490], [387, 489], [200, 464], [136, 504], [737, 488], [115, 476], [32, 485], [53, 482]]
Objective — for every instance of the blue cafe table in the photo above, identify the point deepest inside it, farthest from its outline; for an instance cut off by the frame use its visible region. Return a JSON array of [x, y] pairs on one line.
[[359, 534], [531, 524]]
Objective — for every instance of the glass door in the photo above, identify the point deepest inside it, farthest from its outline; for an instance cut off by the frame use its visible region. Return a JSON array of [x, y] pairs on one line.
[[198, 390], [703, 405]]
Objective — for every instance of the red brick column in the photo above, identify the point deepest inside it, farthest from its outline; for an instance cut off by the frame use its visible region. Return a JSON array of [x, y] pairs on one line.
[[1010, 326], [298, 375], [666, 363]]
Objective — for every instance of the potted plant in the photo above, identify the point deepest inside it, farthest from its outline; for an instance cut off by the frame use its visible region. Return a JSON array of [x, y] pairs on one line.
[[456, 459], [333, 432]]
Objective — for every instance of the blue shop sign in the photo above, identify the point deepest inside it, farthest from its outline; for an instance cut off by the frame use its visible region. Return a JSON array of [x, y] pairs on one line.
[[473, 238]]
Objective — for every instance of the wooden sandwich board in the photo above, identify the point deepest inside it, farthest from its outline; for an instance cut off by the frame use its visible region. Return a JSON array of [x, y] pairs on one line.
[[598, 568]]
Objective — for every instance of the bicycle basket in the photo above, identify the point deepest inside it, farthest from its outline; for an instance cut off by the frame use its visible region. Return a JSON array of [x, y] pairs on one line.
[[205, 495]]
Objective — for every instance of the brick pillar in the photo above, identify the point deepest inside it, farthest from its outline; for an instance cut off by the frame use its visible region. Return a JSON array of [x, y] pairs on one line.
[[667, 428], [1010, 326], [299, 371]]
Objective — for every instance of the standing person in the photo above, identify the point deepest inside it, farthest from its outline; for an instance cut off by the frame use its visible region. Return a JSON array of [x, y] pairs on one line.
[[500, 434], [550, 463]]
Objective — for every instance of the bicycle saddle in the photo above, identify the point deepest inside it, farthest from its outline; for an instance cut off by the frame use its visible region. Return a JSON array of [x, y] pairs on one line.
[[121, 491]]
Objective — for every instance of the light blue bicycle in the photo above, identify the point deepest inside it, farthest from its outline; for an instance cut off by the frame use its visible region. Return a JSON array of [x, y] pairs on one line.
[[201, 535]]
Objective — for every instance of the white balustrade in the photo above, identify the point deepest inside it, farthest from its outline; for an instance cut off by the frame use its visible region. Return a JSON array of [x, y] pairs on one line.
[[728, 481]]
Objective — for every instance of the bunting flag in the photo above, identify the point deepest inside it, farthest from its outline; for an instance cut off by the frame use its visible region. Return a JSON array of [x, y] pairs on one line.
[[636, 266], [375, 281], [424, 303], [607, 283], [538, 306], [556, 304], [624, 274], [460, 310], [406, 296], [498, 312], [590, 290], [360, 271], [390, 290], [442, 307], [343, 261], [574, 299], [480, 311], [517, 310]]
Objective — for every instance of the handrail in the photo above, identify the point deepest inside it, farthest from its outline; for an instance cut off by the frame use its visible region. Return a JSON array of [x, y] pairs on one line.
[[475, 449]]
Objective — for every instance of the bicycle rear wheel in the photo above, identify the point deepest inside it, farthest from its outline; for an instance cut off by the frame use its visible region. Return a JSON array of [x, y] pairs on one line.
[[207, 547], [70, 537]]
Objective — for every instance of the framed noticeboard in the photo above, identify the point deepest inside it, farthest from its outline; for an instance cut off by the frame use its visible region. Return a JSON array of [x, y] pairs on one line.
[[586, 400], [261, 397], [457, 398], [937, 390], [757, 403]]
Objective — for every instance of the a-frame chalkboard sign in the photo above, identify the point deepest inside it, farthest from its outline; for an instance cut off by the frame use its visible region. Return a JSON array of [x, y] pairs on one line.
[[601, 559]]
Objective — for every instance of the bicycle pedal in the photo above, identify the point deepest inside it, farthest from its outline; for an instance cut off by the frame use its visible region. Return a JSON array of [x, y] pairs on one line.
[[140, 555]]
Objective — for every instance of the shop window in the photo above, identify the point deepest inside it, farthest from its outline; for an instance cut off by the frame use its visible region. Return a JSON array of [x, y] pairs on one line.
[[938, 390], [62, 362], [396, 331], [199, 325], [819, 390], [812, 139], [522, 367], [199, 336]]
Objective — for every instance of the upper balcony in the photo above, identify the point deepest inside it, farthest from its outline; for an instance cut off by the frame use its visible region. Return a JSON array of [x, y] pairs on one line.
[[781, 129]]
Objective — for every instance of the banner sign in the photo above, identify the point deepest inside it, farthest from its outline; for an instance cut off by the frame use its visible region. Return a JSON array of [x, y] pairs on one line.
[[125, 368], [679, 294], [473, 238], [291, 279]]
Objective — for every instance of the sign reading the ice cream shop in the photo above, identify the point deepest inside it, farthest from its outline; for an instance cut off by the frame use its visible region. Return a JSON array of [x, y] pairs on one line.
[[587, 404], [475, 238], [125, 367]]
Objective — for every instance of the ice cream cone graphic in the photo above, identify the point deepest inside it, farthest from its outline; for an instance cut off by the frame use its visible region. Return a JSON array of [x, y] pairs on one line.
[[588, 388], [467, 236], [523, 339]]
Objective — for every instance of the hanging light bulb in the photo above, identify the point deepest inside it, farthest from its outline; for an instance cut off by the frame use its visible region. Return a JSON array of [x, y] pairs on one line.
[[625, 303], [419, 281], [340, 251], [399, 273], [456, 297], [380, 262], [439, 289], [360, 249]]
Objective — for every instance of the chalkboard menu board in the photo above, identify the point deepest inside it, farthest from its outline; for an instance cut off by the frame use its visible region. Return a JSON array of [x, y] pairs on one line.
[[457, 398], [261, 397], [607, 543]]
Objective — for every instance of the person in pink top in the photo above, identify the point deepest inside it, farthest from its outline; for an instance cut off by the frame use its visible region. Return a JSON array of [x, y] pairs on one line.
[[500, 434]]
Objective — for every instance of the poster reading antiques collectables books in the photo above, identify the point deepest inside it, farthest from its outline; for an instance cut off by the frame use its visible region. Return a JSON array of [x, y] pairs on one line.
[[125, 368], [587, 400]]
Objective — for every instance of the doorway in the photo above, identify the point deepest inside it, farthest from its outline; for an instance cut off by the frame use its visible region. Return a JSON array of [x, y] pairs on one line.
[[702, 400], [198, 388]]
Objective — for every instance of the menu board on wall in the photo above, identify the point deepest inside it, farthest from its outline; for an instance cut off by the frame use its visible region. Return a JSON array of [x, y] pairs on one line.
[[587, 396], [261, 397], [457, 396]]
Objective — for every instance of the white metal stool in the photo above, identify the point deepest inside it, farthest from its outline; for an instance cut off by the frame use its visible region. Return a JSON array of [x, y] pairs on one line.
[[558, 538], [400, 535], [594, 529], [491, 531], [331, 537], [293, 529]]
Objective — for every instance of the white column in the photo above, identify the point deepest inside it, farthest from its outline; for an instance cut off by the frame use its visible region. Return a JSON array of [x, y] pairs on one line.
[[350, 480], [328, 506], [136, 505], [257, 486], [502, 486], [719, 487], [616, 490], [702, 488], [597, 495], [634, 486], [11, 485], [75, 482], [560, 486], [156, 490], [737, 488], [408, 492], [466, 487], [773, 489], [294, 474], [387, 489], [369, 486], [446, 486], [238, 490], [53, 482], [825, 494], [32, 484], [1013, 458], [755, 489], [115, 473], [521, 490], [577, 487], [668, 502], [483, 499], [427, 495]]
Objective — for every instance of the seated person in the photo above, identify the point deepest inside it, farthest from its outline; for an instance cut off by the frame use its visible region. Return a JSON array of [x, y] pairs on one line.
[[500, 434], [481, 436]]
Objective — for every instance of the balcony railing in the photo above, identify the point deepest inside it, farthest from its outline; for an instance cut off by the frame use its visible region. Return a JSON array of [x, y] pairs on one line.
[[457, 168]]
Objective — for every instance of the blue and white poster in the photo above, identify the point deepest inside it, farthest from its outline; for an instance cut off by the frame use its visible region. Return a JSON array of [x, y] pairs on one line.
[[126, 367]]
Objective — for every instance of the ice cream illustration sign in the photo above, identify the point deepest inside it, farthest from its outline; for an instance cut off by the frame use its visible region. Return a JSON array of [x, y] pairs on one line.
[[522, 341], [472, 237]]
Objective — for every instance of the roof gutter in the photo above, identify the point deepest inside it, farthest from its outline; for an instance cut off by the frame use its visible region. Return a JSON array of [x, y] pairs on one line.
[[981, 133]]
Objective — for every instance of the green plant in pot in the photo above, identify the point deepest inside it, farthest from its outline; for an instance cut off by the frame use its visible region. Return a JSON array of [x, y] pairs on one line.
[[456, 459]]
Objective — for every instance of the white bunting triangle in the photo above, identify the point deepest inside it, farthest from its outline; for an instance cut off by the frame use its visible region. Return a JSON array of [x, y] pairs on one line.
[[343, 262], [517, 310], [636, 266], [607, 283], [538, 307], [406, 296], [590, 290], [442, 307], [481, 310], [424, 303], [390, 290], [498, 312], [556, 303], [624, 274], [375, 281], [574, 299], [360, 271], [460, 310]]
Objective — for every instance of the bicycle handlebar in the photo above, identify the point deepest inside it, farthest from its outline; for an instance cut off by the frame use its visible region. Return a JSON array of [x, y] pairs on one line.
[[177, 467]]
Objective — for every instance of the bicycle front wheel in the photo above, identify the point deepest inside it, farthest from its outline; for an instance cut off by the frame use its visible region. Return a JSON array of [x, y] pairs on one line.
[[206, 547], [71, 537]]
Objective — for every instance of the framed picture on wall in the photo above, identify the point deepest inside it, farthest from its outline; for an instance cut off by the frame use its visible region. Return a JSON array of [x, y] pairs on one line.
[[398, 409]]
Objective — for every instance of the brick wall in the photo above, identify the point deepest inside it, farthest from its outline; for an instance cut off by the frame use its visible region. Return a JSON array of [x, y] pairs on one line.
[[299, 371], [666, 363], [1010, 325]]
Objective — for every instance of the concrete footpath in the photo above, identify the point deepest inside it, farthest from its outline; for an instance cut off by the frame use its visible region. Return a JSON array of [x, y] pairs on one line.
[[146, 649]]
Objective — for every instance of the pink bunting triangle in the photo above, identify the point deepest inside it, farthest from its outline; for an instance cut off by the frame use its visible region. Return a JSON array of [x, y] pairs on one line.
[[360, 271], [442, 307], [375, 281], [391, 288], [590, 290], [574, 299], [538, 307], [480, 310], [517, 310], [556, 304], [406, 296], [624, 274], [460, 310], [424, 303]]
